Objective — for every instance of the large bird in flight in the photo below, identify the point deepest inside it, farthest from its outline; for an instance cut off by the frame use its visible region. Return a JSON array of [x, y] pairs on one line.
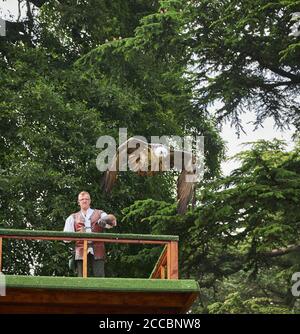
[[149, 159]]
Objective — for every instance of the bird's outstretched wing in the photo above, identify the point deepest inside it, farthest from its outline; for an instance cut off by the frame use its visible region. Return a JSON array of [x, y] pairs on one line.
[[110, 176], [136, 151], [184, 161], [184, 191], [148, 159]]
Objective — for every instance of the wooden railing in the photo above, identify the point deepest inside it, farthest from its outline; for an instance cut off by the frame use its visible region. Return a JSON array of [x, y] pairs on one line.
[[166, 266]]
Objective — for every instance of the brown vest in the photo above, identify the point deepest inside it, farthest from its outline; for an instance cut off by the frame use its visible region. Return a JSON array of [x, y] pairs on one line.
[[98, 247]]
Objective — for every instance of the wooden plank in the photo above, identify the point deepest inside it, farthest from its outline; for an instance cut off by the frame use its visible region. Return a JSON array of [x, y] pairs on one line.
[[68, 297], [18, 300], [189, 302], [172, 260], [84, 263], [162, 261], [117, 241], [61, 234], [162, 272], [168, 260]]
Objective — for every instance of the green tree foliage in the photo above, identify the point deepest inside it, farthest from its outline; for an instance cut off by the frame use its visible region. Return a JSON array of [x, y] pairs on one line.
[[240, 55], [79, 26], [242, 241], [246, 58], [62, 87], [254, 217]]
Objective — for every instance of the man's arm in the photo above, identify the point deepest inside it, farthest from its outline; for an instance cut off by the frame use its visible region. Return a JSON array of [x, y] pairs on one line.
[[69, 224]]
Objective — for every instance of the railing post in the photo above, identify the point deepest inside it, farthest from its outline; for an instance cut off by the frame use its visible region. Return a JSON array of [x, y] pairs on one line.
[[172, 260], [84, 263], [0, 254], [162, 272]]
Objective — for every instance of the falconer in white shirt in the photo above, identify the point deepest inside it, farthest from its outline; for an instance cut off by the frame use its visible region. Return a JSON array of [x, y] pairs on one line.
[[90, 221]]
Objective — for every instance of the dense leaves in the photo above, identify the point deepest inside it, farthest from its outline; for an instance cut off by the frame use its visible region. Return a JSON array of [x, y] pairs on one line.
[[246, 58], [242, 241], [66, 81], [241, 56]]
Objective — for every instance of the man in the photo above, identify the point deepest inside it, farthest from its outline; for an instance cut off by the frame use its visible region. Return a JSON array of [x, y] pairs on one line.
[[89, 220]]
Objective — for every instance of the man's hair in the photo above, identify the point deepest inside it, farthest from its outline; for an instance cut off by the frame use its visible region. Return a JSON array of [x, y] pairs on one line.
[[84, 193]]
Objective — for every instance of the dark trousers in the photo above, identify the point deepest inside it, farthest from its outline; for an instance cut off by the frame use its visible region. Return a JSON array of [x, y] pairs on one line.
[[95, 267]]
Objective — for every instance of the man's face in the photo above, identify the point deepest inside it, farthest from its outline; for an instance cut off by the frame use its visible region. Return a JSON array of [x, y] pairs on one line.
[[84, 201]]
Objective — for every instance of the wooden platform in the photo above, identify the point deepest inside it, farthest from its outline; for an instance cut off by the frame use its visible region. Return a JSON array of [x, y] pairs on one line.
[[32, 294]]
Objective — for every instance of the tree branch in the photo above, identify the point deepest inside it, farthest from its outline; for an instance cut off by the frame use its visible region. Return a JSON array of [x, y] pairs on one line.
[[279, 83], [260, 59], [294, 78], [281, 251]]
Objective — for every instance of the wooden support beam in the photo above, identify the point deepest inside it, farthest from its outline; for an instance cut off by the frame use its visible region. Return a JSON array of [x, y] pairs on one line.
[[113, 240], [159, 269], [162, 272], [172, 260], [84, 264]]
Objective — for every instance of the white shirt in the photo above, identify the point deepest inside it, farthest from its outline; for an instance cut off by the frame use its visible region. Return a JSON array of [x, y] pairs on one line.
[[69, 224]]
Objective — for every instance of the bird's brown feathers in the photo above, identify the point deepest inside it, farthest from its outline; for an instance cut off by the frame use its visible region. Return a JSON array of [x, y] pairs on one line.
[[143, 160]]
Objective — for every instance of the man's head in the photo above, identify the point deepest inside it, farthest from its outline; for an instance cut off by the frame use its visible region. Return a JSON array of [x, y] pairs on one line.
[[84, 200]]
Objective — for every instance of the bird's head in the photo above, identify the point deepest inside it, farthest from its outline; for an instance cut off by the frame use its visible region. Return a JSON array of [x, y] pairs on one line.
[[160, 150]]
